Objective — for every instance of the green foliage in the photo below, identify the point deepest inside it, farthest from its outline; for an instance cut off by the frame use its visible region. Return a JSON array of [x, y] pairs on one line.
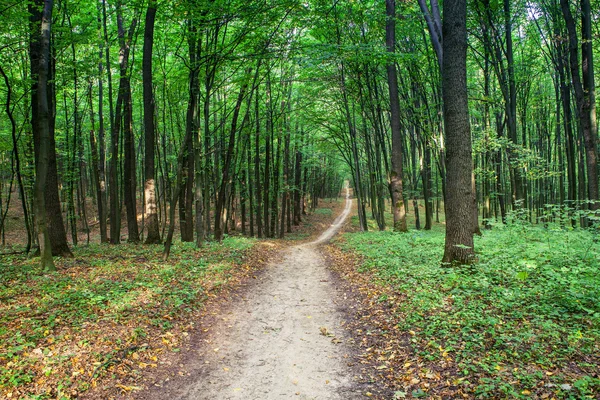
[[526, 313], [323, 211]]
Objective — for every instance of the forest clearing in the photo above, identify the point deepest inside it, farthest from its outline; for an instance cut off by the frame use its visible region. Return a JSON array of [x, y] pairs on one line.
[[314, 199]]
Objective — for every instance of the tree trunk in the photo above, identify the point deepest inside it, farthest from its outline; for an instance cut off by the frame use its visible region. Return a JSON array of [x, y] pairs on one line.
[[101, 162], [151, 209], [43, 142], [585, 93], [397, 141], [17, 165], [56, 227], [129, 165], [115, 129], [459, 163], [97, 170], [257, 185], [229, 160], [297, 192]]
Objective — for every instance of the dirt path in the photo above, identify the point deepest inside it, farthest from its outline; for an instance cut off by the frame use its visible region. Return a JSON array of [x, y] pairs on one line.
[[284, 340]]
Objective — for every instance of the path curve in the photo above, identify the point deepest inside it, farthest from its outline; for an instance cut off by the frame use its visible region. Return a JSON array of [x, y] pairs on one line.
[[283, 339]]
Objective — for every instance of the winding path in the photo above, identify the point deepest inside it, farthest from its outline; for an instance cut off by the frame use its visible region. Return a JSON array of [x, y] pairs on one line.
[[282, 341]]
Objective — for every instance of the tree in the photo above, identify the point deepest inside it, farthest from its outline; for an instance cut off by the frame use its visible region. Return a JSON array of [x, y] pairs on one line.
[[584, 93], [458, 247], [129, 164], [153, 236], [397, 140], [43, 137]]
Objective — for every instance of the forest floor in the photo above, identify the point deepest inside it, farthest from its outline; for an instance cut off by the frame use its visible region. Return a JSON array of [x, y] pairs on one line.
[[114, 318], [368, 315]]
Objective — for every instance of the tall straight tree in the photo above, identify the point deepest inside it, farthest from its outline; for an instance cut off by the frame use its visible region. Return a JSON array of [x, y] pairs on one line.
[[100, 165], [43, 137], [397, 140], [129, 173], [56, 227], [459, 164], [151, 209], [589, 103]]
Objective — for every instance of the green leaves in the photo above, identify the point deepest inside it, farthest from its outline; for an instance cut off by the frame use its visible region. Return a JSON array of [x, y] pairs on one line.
[[522, 275]]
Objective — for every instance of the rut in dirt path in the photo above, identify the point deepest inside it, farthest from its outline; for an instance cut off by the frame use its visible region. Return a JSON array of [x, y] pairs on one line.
[[283, 341]]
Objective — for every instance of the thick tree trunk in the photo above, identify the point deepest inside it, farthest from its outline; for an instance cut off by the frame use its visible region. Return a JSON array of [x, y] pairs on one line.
[[588, 104], [43, 142], [56, 227], [151, 209], [459, 163]]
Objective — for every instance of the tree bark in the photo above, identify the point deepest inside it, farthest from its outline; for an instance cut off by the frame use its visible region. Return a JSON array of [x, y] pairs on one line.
[[588, 106], [459, 164], [151, 209], [101, 162], [43, 135], [396, 171], [129, 165], [56, 227]]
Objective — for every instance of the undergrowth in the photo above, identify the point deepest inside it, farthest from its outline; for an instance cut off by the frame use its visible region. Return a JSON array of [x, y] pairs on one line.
[[523, 321], [59, 331]]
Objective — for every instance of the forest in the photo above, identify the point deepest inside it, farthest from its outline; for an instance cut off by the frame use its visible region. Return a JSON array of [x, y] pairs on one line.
[[165, 133]]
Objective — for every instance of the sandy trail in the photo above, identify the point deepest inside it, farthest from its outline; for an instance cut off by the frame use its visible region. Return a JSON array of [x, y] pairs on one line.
[[282, 341]]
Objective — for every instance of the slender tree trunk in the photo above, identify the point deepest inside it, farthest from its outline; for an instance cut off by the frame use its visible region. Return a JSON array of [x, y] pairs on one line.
[[98, 178], [511, 106], [397, 141], [250, 187], [129, 164], [259, 220], [229, 161], [17, 165], [100, 165], [297, 191], [286, 173], [187, 142], [115, 128]]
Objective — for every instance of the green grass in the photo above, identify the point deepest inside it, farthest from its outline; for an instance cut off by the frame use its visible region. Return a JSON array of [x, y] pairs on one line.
[[323, 211], [527, 313]]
